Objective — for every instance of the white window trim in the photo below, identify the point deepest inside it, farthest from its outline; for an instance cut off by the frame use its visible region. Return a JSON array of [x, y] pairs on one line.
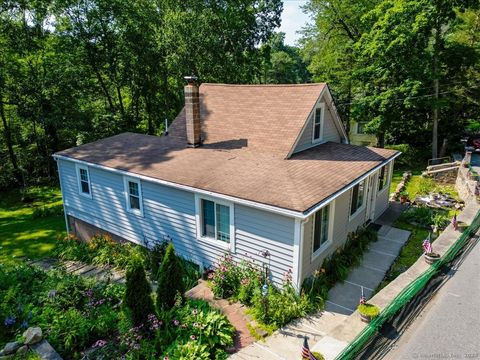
[[127, 179], [79, 167], [230, 246], [389, 174], [364, 203], [322, 122], [326, 244]]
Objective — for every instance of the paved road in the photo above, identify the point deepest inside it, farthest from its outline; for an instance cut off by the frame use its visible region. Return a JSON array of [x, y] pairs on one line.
[[449, 326]]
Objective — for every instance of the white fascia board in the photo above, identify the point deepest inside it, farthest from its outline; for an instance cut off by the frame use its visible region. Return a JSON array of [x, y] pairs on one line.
[[348, 187], [270, 208]]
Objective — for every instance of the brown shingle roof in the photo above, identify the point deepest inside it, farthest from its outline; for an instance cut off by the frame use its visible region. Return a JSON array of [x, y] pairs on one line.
[[269, 117], [230, 167]]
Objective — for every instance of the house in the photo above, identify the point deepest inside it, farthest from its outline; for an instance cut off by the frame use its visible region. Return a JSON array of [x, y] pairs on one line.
[[358, 136], [252, 170]]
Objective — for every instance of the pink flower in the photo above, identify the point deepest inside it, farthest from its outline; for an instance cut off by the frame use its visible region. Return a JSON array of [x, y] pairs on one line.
[[166, 358], [193, 337], [99, 343], [176, 322]]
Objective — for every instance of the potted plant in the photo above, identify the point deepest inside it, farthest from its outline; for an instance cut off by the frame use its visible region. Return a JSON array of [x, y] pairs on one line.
[[461, 226], [403, 196], [368, 312], [431, 257]]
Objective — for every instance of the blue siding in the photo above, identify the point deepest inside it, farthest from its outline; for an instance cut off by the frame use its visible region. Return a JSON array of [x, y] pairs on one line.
[[171, 212]]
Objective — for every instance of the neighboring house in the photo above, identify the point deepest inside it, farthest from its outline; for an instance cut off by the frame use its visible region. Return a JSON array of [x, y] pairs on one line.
[[245, 169], [359, 137]]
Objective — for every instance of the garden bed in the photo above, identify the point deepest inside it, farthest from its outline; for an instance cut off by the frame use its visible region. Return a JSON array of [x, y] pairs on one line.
[[86, 318]]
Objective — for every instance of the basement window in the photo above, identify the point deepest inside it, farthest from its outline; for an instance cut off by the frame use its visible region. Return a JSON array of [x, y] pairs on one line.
[[83, 178], [133, 192]]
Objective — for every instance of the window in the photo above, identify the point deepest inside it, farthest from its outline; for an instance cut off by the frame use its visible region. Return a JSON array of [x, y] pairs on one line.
[[318, 123], [83, 177], [215, 221], [133, 192], [383, 177], [361, 127], [320, 228], [358, 195]]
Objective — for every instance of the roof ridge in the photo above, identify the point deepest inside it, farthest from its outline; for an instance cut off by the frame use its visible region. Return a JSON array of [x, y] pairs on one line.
[[264, 85]]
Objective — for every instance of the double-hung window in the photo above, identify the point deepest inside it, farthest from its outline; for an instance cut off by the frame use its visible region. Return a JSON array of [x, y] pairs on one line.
[[215, 221], [133, 192], [318, 123], [383, 177], [358, 198], [320, 229], [83, 176]]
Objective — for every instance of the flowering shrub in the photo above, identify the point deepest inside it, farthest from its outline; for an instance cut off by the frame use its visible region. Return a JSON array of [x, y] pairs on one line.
[[230, 279]]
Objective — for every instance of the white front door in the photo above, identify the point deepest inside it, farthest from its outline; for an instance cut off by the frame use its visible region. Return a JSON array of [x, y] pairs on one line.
[[371, 196]]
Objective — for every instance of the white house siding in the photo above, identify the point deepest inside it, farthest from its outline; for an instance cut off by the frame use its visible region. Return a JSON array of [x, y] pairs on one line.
[[171, 212], [342, 225], [330, 131]]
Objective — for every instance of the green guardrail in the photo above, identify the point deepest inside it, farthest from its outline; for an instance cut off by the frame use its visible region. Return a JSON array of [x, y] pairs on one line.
[[408, 293]]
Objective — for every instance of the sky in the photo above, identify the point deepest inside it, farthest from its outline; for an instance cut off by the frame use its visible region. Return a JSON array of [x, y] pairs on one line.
[[293, 19]]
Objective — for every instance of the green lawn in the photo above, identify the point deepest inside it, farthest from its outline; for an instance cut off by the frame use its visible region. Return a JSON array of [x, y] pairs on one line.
[[23, 233]]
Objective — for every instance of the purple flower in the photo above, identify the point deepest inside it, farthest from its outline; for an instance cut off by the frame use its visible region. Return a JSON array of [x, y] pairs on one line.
[[99, 343], [166, 358], [52, 294], [9, 320], [193, 337], [176, 322]]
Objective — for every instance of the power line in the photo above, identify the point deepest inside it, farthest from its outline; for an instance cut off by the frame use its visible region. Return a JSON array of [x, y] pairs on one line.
[[411, 97]]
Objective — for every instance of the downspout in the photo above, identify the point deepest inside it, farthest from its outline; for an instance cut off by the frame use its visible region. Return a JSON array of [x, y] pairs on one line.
[[298, 254], [63, 202]]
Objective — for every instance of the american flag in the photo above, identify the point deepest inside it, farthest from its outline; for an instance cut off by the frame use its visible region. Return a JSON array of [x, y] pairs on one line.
[[363, 299], [427, 246], [306, 353], [454, 221]]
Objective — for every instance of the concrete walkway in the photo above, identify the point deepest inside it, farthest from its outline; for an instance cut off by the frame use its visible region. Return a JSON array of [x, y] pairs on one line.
[[326, 328], [343, 298]]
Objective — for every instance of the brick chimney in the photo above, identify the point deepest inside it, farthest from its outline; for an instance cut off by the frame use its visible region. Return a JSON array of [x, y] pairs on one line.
[[192, 112]]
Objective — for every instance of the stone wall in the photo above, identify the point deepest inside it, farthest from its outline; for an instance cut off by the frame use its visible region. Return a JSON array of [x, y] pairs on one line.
[[85, 231]]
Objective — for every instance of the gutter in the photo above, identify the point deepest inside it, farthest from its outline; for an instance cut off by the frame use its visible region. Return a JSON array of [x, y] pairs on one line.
[[254, 204]]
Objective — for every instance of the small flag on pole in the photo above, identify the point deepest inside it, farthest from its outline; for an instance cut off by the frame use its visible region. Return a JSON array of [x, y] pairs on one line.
[[363, 300], [306, 353], [454, 221], [427, 246]]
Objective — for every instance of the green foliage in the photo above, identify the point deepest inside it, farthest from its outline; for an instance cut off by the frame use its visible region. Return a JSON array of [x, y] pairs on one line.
[[369, 310], [112, 66], [138, 294], [281, 306], [78, 314], [47, 211], [170, 280], [156, 255]]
